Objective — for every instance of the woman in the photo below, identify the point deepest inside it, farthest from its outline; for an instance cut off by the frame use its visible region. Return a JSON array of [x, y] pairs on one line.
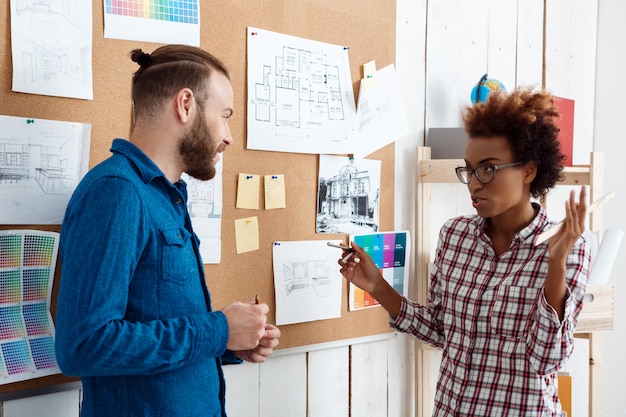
[[502, 309]]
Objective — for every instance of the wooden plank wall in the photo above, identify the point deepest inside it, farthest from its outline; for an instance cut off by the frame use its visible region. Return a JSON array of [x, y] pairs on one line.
[[540, 43]]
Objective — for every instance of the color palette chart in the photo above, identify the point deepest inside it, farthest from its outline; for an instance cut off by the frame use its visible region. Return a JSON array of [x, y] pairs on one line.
[[27, 263], [163, 21], [185, 11], [390, 252]]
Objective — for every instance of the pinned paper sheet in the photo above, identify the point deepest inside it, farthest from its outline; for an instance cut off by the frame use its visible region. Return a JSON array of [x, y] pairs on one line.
[[247, 234], [381, 113], [370, 81], [274, 191], [248, 191], [307, 282]]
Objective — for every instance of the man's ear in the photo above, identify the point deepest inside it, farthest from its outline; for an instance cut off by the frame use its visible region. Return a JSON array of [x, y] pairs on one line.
[[184, 103]]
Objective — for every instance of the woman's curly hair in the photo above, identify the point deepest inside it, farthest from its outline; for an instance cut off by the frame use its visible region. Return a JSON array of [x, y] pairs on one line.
[[527, 120]]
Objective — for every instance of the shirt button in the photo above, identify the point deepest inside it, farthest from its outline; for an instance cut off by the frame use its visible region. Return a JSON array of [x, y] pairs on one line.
[[179, 200]]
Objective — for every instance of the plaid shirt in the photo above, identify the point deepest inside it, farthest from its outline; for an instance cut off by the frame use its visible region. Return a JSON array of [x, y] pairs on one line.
[[502, 342]]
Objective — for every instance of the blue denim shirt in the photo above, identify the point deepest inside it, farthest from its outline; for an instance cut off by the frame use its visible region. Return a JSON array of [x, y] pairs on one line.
[[134, 317]]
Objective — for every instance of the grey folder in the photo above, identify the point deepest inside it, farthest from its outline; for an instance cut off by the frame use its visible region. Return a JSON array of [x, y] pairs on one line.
[[446, 142]]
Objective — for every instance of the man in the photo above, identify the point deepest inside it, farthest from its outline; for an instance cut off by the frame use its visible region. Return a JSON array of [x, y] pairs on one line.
[[134, 317]]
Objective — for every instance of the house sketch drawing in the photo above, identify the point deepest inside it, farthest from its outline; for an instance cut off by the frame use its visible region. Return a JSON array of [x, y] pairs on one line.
[[202, 200], [301, 97], [307, 282], [306, 91], [51, 42], [307, 275], [41, 162]]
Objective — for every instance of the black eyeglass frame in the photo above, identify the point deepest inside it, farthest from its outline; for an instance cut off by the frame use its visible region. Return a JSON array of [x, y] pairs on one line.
[[472, 171]]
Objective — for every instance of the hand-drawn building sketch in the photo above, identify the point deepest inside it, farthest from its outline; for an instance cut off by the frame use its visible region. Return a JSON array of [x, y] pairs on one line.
[[348, 197], [51, 41], [307, 282], [41, 162], [301, 96], [307, 274], [203, 201], [204, 204]]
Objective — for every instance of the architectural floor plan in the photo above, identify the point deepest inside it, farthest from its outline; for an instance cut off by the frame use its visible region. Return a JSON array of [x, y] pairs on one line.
[[301, 97]]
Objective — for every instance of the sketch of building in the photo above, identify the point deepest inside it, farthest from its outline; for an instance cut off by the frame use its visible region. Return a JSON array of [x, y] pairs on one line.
[[307, 283], [14, 162], [202, 198], [305, 275], [41, 162], [306, 89], [47, 165], [52, 47], [301, 97]]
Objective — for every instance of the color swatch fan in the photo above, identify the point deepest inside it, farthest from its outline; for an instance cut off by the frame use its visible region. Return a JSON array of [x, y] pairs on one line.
[[27, 262]]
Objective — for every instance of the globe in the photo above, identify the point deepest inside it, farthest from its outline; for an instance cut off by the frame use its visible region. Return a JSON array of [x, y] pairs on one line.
[[487, 86]]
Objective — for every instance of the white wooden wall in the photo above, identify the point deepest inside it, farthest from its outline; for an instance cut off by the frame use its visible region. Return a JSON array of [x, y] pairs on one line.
[[549, 44], [443, 48]]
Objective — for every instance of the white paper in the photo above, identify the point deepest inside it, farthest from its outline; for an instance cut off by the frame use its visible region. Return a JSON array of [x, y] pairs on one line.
[[149, 21], [51, 48], [204, 204], [307, 281], [603, 264], [381, 114], [300, 96], [42, 163]]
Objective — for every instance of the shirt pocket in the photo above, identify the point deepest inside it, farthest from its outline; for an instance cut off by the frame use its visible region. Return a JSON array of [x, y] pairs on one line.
[[178, 262], [512, 311]]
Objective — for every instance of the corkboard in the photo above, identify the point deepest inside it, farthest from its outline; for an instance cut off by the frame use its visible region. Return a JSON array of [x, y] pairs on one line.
[[368, 29]]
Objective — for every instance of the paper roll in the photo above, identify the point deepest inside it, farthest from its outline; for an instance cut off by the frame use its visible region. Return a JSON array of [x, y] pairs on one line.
[[601, 270], [594, 245]]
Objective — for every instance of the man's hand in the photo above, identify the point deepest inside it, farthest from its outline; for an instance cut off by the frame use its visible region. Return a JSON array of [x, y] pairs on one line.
[[264, 349], [246, 325]]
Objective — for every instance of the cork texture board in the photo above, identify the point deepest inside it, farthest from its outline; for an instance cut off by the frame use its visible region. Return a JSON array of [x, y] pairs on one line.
[[367, 28]]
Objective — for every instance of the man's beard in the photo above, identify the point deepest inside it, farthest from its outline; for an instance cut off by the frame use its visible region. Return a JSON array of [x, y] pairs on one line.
[[197, 149]]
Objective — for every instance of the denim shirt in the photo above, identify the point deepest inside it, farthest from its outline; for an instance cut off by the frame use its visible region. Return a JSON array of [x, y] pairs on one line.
[[134, 316]]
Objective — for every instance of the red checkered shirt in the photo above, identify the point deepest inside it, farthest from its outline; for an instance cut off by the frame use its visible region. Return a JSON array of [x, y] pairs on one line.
[[502, 342]]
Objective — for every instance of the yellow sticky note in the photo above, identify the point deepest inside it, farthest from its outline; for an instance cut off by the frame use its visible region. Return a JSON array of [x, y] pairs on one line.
[[248, 191], [369, 81], [275, 191], [247, 234]]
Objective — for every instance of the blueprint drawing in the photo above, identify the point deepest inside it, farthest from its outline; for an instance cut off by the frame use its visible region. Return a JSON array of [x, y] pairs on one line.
[[301, 98]]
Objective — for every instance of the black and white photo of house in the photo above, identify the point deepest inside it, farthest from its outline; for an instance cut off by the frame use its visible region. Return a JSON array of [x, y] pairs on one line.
[[348, 196]]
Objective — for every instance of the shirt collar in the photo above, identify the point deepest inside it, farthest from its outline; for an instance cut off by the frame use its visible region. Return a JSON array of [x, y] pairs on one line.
[[148, 170], [535, 227]]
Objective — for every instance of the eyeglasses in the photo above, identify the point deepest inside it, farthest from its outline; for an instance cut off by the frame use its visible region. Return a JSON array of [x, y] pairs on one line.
[[484, 173]]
